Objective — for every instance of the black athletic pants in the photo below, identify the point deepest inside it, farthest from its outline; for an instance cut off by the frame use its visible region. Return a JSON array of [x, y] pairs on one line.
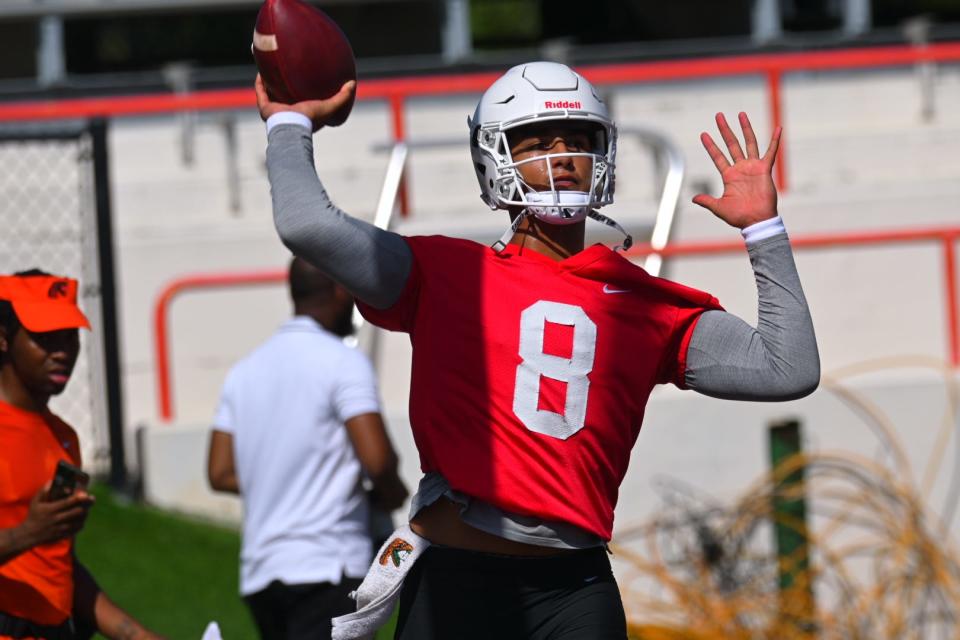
[[295, 611], [13, 627], [467, 595]]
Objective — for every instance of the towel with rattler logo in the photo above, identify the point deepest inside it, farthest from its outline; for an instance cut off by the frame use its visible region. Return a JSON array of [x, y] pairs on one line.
[[380, 588]]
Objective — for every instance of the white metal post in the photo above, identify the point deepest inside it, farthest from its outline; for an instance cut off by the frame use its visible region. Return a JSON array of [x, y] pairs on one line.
[[857, 17], [766, 22], [51, 61], [457, 42]]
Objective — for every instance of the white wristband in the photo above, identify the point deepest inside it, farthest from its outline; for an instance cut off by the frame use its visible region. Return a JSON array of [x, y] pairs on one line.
[[288, 117], [763, 230]]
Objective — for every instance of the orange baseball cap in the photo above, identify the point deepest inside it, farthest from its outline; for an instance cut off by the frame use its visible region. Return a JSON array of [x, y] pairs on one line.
[[44, 303]]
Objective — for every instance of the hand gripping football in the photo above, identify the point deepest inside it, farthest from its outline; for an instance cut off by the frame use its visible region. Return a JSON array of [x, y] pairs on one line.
[[302, 54]]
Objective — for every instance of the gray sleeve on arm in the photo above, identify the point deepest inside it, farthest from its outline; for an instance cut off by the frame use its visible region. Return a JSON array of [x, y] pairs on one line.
[[371, 263], [727, 358]]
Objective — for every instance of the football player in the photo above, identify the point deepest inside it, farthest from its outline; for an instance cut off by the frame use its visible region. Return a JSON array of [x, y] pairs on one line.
[[533, 359]]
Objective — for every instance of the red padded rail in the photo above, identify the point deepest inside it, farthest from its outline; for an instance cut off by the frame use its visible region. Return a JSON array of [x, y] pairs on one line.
[[396, 90]]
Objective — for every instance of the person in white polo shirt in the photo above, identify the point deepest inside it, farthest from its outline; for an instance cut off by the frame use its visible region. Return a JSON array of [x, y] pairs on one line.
[[297, 430]]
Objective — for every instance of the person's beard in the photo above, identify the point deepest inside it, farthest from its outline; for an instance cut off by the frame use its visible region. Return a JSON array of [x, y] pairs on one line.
[[343, 324]]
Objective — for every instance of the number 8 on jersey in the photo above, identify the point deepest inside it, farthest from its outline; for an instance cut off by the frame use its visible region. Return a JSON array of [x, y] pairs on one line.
[[572, 371]]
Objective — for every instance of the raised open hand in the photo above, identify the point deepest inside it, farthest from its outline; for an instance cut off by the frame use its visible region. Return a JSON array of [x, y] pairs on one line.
[[749, 194], [331, 111]]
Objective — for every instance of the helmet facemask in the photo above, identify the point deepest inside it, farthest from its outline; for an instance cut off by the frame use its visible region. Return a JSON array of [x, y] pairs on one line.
[[553, 205]]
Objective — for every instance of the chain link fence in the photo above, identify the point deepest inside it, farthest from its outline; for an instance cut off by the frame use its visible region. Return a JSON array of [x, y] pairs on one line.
[[48, 219]]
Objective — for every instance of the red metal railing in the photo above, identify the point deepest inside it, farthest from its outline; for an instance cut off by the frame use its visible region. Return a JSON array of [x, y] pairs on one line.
[[161, 307], [396, 91], [946, 236]]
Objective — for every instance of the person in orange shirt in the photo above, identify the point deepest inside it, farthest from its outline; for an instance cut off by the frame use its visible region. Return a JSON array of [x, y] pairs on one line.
[[45, 593]]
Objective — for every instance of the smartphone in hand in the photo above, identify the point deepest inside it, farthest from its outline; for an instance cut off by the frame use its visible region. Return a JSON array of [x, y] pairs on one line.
[[66, 480]]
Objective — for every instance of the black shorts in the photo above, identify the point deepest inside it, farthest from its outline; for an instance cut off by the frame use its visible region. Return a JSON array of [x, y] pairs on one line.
[[13, 627], [466, 595], [300, 611]]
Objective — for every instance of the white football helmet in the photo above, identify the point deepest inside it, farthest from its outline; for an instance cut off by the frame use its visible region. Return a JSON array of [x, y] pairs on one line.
[[531, 93]]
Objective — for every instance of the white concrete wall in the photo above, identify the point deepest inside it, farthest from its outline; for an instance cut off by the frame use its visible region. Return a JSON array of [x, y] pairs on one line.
[[858, 155], [174, 474]]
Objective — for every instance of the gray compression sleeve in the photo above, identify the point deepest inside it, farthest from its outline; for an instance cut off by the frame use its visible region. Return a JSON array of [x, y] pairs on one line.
[[371, 263], [727, 358]]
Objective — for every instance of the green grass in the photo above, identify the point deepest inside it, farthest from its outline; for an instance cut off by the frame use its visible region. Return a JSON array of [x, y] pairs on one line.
[[174, 574]]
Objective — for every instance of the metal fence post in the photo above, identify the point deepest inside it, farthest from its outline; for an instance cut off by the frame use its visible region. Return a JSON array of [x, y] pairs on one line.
[[789, 510], [108, 301]]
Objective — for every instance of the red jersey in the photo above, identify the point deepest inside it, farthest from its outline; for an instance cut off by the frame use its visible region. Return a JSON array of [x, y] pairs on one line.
[[36, 585], [530, 376]]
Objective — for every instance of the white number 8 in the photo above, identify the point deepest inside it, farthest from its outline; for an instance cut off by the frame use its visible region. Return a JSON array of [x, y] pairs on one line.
[[573, 370]]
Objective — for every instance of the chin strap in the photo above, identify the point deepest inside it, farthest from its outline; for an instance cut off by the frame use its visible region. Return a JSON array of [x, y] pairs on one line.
[[501, 244], [610, 222]]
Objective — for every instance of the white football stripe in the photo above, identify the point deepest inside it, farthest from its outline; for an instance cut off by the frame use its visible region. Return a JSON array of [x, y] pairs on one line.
[[264, 42]]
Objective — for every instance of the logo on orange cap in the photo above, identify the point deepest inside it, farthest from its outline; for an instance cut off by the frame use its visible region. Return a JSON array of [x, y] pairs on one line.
[[44, 303], [59, 289]]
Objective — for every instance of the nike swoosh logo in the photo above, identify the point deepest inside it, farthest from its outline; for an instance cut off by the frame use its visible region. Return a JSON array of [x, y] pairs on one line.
[[590, 579], [607, 289]]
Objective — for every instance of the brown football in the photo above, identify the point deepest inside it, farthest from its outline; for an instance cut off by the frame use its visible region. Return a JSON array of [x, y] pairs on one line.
[[301, 54]]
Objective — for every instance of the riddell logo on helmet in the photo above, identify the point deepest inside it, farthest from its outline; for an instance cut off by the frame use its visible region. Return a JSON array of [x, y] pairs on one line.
[[562, 104]]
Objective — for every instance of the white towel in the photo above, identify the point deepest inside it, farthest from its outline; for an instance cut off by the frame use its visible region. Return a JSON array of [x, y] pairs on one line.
[[212, 632], [380, 588]]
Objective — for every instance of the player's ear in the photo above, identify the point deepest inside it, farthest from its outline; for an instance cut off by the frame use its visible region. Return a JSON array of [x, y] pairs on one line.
[[4, 344]]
